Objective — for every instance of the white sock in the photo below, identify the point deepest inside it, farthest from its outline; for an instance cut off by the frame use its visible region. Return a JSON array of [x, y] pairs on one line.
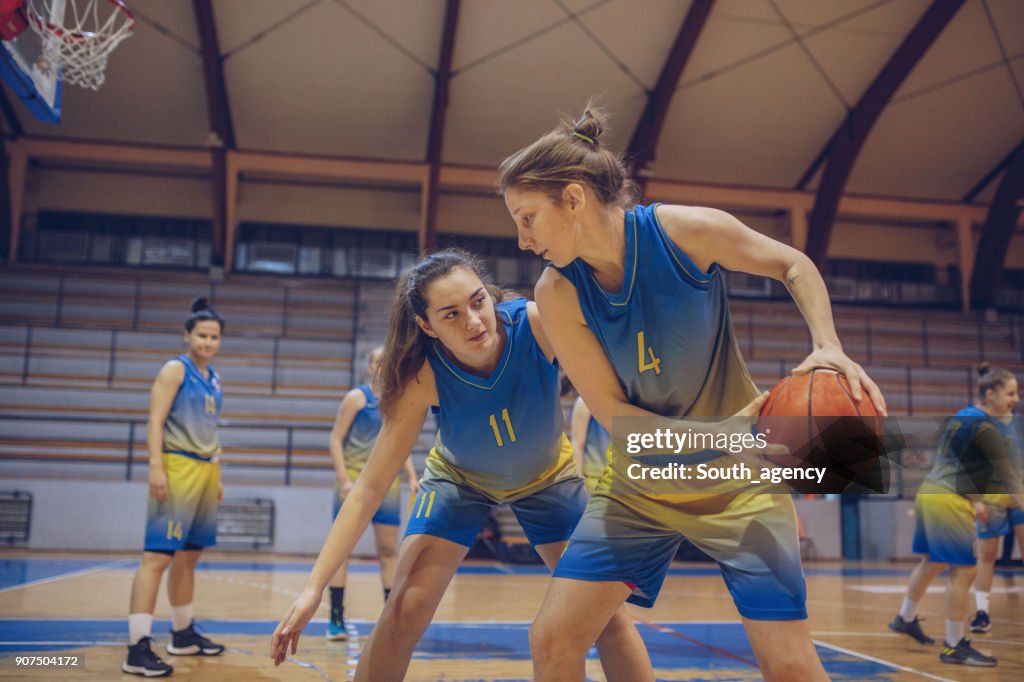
[[139, 625], [181, 617], [982, 599], [954, 632], [908, 610]]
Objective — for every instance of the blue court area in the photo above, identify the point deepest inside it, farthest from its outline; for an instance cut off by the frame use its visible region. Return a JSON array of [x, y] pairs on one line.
[[710, 651], [15, 572], [714, 648]]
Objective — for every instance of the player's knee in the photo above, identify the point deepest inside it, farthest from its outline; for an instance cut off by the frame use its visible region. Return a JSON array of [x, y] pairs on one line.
[[154, 562], [386, 552], [786, 666], [546, 641], [187, 559], [963, 573], [618, 628], [405, 618], [988, 552]]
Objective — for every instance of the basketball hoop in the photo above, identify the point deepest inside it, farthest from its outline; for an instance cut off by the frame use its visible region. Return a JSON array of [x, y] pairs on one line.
[[77, 40]]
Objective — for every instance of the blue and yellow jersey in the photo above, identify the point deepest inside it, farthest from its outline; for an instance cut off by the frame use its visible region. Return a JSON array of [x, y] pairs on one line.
[[501, 434], [191, 426], [667, 333], [971, 440], [595, 450], [363, 433]]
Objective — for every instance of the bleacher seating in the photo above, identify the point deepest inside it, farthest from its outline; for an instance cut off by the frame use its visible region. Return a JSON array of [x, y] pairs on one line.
[[79, 348]]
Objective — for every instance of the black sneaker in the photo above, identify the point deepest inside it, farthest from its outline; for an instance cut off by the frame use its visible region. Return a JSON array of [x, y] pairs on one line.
[[188, 642], [912, 628], [964, 654], [142, 661], [981, 622]]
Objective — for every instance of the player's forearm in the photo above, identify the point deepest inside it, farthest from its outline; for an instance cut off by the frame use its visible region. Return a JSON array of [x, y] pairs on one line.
[[808, 290], [338, 457], [352, 521], [155, 445]]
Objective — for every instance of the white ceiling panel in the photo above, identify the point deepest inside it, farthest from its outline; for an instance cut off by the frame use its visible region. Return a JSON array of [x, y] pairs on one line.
[[487, 27], [967, 44], [872, 36], [347, 92], [803, 14], [1008, 16], [728, 43], [241, 21], [759, 125], [505, 104], [940, 144], [640, 40], [758, 11], [404, 22]]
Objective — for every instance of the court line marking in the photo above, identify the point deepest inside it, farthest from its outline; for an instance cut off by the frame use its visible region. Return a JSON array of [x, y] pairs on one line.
[[932, 589], [61, 576], [721, 652], [896, 666], [894, 635], [59, 642]]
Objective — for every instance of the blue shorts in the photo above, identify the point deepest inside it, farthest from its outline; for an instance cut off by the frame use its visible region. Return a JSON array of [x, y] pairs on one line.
[[389, 513], [1001, 521], [753, 537], [456, 511], [944, 525], [187, 519]]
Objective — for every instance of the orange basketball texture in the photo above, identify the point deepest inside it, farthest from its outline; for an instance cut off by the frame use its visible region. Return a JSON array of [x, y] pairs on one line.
[[816, 417]]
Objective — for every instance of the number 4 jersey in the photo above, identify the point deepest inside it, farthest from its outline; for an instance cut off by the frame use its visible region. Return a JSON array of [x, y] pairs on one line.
[[667, 333], [502, 435]]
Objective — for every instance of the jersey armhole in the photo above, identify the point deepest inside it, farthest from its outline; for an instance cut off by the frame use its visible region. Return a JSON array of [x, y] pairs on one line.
[[684, 265]]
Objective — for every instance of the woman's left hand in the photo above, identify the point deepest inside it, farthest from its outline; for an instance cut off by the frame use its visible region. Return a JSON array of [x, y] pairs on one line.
[[835, 358], [220, 493]]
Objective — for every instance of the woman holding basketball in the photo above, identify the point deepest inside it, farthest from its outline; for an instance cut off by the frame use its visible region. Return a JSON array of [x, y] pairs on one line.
[[635, 307], [975, 457], [485, 365]]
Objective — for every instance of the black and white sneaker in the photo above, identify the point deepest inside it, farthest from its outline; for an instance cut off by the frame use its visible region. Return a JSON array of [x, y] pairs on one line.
[[142, 661], [910, 627], [981, 622], [965, 654], [188, 642]]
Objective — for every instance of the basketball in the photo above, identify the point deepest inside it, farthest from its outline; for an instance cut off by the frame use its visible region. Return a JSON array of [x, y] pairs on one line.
[[816, 416]]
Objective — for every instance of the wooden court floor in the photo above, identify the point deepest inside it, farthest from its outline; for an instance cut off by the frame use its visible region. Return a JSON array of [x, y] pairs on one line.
[[75, 604]]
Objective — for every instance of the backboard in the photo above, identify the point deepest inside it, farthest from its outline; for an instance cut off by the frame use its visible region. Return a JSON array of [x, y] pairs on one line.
[[30, 78]]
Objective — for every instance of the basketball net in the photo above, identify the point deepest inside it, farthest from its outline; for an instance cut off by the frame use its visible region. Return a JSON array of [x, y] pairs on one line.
[[79, 35]]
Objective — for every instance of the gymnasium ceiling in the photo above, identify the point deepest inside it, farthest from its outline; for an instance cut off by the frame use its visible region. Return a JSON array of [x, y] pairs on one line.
[[766, 86]]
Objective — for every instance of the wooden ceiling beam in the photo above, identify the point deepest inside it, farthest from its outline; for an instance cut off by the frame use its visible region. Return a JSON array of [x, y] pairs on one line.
[[468, 178], [644, 143], [997, 233], [222, 131], [845, 145], [980, 186], [427, 233]]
